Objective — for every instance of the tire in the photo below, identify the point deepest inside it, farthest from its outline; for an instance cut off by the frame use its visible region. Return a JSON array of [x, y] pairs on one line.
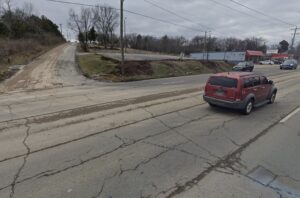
[[272, 98], [249, 107]]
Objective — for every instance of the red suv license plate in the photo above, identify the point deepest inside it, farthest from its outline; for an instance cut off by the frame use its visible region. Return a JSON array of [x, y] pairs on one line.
[[220, 92]]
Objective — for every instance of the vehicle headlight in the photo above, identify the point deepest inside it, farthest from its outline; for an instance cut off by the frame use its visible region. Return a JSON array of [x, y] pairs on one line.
[[291, 64]]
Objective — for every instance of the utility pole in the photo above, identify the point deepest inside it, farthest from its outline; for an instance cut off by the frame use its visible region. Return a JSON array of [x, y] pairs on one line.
[[125, 37], [207, 49], [121, 36], [204, 47], [294, 36], [60, 28]]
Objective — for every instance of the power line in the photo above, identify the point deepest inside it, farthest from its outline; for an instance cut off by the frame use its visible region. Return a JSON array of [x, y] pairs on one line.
[[182, 17], [261, 13], [269, 32], [175, 14], [129, 11], [187, 19], [244, 13], [231, 8], [150, 17]]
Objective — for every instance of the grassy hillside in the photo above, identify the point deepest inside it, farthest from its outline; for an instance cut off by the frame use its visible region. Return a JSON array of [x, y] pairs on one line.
[[102, 68]]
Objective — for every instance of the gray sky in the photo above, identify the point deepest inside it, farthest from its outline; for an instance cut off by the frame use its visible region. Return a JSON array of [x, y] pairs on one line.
[[223, 21]]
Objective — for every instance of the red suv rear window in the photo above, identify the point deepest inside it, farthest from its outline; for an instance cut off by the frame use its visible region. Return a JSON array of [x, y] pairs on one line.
[[223, 81]]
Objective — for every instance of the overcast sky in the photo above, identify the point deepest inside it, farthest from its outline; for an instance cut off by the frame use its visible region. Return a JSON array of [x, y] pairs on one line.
[[202, 15]]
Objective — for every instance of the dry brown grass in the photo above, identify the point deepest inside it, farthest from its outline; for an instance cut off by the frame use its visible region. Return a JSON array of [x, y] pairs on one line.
[[23, 51]]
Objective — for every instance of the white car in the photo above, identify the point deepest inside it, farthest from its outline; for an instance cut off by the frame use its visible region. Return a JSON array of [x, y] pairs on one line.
[[266, 62]]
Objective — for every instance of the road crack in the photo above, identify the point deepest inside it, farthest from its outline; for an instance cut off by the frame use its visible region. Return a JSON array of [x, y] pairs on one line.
[[96, 133], [184, 136], [17, 175], [104, 183], [227, 162], [177, 149], [144, 162], [123, 145]]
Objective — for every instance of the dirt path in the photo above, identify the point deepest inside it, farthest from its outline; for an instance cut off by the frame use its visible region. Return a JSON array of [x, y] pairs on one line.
[[53, 69]]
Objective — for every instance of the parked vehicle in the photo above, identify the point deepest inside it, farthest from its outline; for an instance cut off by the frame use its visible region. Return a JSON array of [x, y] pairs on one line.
[[278, 62], [239, 90], [244, 66], [289, 64], [266, 62]]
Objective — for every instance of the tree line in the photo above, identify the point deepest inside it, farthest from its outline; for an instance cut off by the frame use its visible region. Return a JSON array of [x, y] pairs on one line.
[[21, 23], [178, 44], [24, 34]]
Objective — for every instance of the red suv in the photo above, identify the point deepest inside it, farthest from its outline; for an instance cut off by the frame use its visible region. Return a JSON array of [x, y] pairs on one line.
[[239, 90]]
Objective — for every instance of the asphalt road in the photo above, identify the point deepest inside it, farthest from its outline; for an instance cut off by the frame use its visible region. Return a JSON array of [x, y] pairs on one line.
[[153, 138]]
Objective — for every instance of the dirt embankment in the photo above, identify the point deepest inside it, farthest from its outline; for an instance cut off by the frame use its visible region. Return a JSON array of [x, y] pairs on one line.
[[102, 68]]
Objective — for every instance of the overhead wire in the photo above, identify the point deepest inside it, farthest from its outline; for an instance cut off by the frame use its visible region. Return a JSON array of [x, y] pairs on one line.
[[261, 13], [175, 14], [131, 12], [157, 19], [244, 13]]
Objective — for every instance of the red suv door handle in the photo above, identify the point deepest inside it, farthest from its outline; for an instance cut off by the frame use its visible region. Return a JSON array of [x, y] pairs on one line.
[[254, 89]]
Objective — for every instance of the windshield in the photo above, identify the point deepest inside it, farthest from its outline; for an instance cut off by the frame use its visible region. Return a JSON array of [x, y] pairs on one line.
[[242, 64], [288, 62]]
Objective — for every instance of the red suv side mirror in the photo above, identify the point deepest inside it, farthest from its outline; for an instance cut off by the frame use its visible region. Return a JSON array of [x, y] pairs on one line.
[[270, 82]]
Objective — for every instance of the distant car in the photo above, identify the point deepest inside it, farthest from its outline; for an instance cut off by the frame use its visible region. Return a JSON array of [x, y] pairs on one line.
[[289, 64], [266, 62], [278, 62], [239, 90], [244, 66]]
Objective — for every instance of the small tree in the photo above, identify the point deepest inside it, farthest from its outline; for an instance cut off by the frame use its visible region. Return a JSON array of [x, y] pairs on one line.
[[81, 39], [92, 35], [105, 19], [81, 23], [283, 46], [4, 31]]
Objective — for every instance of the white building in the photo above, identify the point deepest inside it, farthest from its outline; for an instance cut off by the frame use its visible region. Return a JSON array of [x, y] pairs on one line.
[[220, 56]]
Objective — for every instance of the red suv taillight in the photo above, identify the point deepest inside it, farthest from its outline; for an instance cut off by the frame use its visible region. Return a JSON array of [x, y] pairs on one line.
[[238, 95]]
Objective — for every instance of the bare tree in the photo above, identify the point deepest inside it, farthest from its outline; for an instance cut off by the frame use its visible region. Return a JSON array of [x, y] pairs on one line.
[[105, 19], [74, 22], [28, 9], [6, 5], [81, 23]]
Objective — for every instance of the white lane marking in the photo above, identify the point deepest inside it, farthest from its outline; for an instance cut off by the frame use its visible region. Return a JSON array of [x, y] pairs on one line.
[[290, 115]]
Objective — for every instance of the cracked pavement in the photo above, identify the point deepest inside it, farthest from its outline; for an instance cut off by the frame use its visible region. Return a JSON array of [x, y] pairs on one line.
[[146, 139]]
